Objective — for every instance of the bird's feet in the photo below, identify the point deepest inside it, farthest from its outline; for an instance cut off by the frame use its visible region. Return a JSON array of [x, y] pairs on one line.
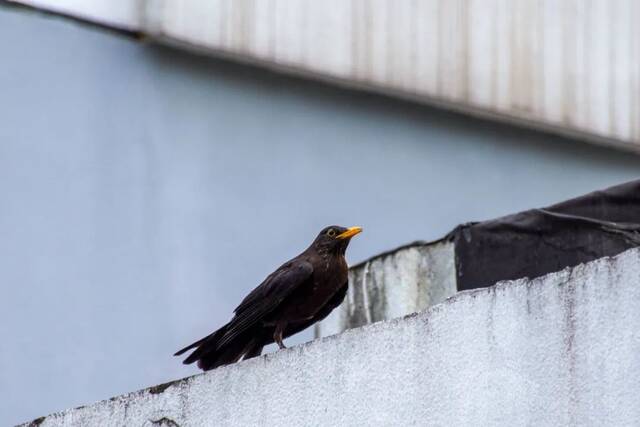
[[277, 336]]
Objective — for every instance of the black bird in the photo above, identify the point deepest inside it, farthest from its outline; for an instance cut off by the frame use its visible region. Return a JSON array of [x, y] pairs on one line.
[[298, 294]]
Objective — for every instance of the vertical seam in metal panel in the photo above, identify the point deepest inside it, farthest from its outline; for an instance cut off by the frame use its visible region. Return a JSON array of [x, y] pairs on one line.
[[440, 53], [542, 96], [355, 39], [271, 32], [567, 82], [494, 58], [513, 57], [588, 48], [367, 43], [611, 71], [223, 24], [634, 17], [464, 55], [303, 59], [413, 56], [529, 58], [388, 70]]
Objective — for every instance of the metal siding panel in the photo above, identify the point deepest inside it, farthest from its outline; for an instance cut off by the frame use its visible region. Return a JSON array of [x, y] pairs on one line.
[[125, 14], [599, 64], [569, 65], [481, 19]]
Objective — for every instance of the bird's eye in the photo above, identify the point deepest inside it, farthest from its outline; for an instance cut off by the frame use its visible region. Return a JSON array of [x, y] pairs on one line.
[[331, 232]]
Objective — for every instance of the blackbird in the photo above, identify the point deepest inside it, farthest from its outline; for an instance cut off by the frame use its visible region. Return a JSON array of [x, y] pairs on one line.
[[298, 294]]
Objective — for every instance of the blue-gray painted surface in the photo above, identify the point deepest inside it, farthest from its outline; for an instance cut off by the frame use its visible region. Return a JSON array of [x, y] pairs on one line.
[[143, 191]]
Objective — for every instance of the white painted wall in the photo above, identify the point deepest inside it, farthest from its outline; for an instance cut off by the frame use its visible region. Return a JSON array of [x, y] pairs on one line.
[[563, 349]]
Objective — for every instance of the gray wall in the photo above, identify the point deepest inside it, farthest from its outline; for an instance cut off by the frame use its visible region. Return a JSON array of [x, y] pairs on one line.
[[143, 191]]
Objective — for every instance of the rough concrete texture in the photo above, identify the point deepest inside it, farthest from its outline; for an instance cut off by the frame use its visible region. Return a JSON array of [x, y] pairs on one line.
[[563, 349], [409, 279]]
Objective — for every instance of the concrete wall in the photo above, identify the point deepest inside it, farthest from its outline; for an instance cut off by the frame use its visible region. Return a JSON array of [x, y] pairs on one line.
[[144, 191], [563, 349], [394, 284]]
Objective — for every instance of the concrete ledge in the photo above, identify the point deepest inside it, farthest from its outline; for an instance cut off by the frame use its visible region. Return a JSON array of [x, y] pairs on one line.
[[393, 284], [563, 349]]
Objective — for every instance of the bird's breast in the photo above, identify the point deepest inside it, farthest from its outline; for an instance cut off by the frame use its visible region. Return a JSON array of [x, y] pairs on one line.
[[326, 282]]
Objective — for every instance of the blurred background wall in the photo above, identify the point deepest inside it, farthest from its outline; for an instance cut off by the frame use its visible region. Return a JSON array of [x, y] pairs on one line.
[[145, 190]]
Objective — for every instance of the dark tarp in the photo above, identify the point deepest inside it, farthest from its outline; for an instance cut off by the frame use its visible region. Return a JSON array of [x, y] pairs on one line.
[[540, 241]]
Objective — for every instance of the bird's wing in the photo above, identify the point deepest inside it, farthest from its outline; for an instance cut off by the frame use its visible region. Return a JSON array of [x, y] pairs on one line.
[[266, 297], [335, 301]]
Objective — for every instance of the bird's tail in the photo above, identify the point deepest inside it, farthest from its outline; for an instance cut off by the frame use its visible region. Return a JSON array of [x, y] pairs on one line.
[[190, 346], [209, 355]]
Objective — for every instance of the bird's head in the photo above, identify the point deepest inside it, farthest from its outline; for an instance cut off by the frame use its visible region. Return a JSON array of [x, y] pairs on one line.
[[335, 239]]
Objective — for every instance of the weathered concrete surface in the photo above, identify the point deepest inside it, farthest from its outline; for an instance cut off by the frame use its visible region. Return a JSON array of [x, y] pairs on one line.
[[563, 349], [394, 284]]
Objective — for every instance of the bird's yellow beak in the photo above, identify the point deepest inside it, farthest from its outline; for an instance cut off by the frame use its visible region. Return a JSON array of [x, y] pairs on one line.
[[351, 231]]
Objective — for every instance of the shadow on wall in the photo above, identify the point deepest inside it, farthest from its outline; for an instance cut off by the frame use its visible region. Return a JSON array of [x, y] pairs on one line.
[[351, 102]]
